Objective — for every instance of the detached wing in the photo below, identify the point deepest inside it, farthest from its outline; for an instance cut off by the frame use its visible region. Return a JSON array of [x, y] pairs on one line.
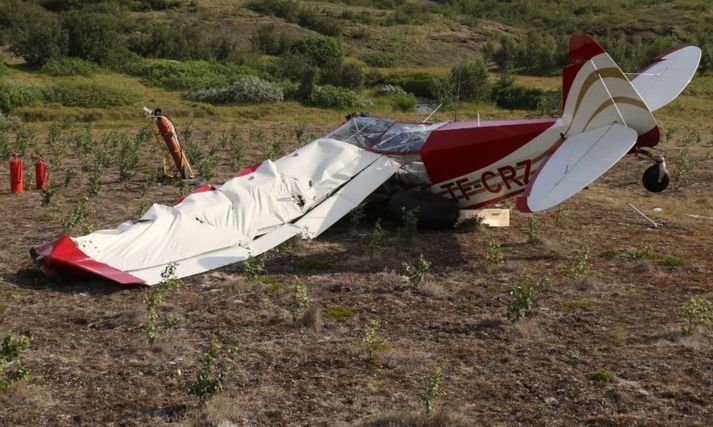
[[303, 193], [665, 79], [576, 163]]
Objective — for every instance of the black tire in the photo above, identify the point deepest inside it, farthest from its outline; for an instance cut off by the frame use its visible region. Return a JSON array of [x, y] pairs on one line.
[[433, 211], [160, 177], [651, 179]]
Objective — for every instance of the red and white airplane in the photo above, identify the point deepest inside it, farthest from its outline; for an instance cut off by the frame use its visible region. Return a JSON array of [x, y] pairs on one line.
[[435, 167]]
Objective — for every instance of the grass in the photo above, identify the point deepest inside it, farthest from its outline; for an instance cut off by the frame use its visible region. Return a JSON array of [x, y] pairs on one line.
[[339, 312], [576, 305]]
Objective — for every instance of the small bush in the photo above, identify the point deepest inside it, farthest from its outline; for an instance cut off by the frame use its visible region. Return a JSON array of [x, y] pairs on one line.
[[373, 342], [254, 267], [432, 391], [603, 376], [153, 326], [415, 272], [533, 230], [209, 379], [329, 96], [682, 166], [300, 300], [247, 90], [493, 254], [515, 97], [404, 102], [10, 349], [379, 59], [373, 246], [69, 66], [577, 267], [697, 311], [523, 294], [88, 95]]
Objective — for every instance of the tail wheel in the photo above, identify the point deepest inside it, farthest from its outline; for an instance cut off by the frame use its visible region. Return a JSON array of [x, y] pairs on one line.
[[656, 178], [433, 211]]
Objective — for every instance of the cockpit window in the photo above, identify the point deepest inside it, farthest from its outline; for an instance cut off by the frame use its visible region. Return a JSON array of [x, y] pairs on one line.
[[405, 137], [361, 131], [375, 133]]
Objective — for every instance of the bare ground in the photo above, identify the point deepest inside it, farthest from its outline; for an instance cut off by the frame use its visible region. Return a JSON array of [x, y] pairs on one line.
[[90, 363]]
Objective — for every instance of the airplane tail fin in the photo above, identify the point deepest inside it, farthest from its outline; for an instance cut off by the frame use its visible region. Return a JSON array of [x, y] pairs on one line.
[[597, 93]]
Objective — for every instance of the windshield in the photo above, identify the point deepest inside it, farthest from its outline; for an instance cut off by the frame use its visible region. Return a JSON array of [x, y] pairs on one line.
[[375, 133], [361, 131], [405, 137]]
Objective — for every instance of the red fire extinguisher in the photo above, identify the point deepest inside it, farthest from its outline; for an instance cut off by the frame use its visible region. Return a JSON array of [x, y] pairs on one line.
[[40, 174], [16, 174]]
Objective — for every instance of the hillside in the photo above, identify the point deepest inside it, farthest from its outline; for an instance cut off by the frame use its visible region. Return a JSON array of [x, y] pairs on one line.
[[604, 341]]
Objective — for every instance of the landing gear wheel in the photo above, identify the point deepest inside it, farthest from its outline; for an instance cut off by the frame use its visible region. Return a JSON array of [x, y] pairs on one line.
[[160, 176], [433, 211], [656, 178]]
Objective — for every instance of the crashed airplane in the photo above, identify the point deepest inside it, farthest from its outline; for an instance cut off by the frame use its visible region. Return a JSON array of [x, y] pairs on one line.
[[435, 167]]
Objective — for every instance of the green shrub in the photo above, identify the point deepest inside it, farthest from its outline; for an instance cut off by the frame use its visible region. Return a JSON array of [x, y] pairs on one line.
[[418, 83], [36, 35], [404, 102], [312, 19], [347, 75], [180, 42], [11, 348], [69, 66], [247, 90], [432, 391], [268, 39], [603, 376], [300, 300], [379, 59], [373, 342], [88, 95], [94, 32], [14, 95], [516, 97], [320, 50], [411, 13], [697, 311], [292, 11], [415, 272], [209, 379], [471, 81], [329, 96], [192, 75]]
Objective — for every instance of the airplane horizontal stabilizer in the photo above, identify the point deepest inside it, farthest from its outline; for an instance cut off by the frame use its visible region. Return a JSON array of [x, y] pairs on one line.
[[666, 78], [576, 163]]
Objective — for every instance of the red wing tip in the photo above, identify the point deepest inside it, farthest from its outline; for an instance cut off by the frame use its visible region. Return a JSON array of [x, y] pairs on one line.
[[63, 255]]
